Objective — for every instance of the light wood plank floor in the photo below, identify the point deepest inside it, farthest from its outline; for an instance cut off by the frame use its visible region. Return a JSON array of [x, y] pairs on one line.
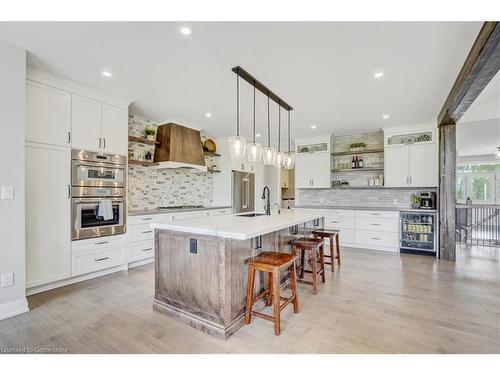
[[375, 303]]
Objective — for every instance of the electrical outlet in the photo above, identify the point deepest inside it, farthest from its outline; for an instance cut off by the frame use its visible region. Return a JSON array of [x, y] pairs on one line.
[[7, 193], [7, 279], [394, 201]]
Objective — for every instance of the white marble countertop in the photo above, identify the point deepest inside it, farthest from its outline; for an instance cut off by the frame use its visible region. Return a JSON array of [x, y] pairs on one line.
[[367, 208], [156, 211], [241, 228]]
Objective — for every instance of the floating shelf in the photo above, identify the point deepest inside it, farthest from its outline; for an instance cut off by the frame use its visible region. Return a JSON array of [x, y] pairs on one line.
[[144, 163], [217, 171], [344, 153], [208, 153], [131, 138], [358, 170]]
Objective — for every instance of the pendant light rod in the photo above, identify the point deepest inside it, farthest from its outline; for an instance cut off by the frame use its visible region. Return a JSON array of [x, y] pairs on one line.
[[253, 111], [289, 134], [268, 124], [238, 105], [261, 87], [279, 127]]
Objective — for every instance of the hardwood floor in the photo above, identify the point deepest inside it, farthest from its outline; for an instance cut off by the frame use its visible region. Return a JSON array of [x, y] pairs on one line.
[[375, 303]]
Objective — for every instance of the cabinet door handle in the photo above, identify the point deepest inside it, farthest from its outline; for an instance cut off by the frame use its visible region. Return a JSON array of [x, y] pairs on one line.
[[374, 214], [374, 238], [147, 231], [333, 221], [148, 249], [69, 137], [69, 191], [101, 243], [374, 224], [104, 143], [100, 142], [147, 218], [100, 259]]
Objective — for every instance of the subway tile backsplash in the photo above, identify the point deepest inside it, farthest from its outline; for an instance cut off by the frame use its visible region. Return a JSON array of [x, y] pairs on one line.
[[366, 197], [149, 188]]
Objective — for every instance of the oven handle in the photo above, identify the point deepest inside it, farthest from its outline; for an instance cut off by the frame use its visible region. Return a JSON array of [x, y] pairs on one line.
[[94, 200], [104, 165]]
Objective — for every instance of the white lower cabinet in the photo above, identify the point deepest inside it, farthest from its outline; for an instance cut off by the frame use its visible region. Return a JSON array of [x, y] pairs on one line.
[[378, 230], [141, 250], [97, 254]]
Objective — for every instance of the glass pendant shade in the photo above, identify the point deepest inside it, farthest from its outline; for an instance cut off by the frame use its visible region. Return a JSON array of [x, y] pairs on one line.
[[254, 152], [497, 153], [280, 159], [237, 147], [289, 161], [269, 155]]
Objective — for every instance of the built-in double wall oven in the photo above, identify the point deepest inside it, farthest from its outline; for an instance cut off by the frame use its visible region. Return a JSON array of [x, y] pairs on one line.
[[98, 194]]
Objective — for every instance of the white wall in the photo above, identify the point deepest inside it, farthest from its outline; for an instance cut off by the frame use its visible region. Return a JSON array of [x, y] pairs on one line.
[[12, 173]]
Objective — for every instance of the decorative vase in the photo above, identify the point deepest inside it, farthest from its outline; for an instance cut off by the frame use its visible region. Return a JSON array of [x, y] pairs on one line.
[[151, 137]]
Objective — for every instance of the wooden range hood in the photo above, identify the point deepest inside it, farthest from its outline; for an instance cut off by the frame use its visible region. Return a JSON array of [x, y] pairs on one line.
[[178, 147]]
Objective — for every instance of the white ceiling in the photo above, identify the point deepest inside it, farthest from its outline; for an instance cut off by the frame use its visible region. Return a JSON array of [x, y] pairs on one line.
[[323, 69]]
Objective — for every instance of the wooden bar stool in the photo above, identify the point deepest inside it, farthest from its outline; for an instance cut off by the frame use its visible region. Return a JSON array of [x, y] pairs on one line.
[[333, 235], [315, 246], [272, 263]]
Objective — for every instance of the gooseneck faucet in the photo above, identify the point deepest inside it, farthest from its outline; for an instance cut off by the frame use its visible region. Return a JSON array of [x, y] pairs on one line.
[[267, 207]]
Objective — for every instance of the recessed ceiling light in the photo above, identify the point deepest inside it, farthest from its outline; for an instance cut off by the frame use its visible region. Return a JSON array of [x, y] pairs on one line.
[[257, 135], [313, 126], [385, 117], [186, 30], [378, 74], [208, 114], [106, 74]]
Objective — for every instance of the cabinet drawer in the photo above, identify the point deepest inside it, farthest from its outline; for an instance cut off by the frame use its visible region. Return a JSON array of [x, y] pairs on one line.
[[346, 237], [375, 224], [339, 221], [86, 262], [102, 243], [218, 212], [187, 215], [378, 214], [374, 238], [144, 219], [141, 250], [140, 233], [346, 213]]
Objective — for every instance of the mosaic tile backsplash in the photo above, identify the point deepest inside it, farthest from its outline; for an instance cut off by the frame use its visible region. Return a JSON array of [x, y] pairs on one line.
[[149, 188]]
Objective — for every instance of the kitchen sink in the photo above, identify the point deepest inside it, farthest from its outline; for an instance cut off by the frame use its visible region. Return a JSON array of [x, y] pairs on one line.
[[253, 214]]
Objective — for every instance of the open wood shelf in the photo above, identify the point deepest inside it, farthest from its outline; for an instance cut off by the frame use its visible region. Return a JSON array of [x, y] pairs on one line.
[[208, 153], [345, 153], [132, 138], [358, 170], [144, 163]]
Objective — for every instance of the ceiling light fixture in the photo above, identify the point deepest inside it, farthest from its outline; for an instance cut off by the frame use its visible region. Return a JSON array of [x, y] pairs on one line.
[[257, 135], [106, 74], [237, 144], [208, 114], [269, 153], [290, 158], [313, 127], [379, 75], [185, 30], [279, 162], [385, 117], [254, 150]]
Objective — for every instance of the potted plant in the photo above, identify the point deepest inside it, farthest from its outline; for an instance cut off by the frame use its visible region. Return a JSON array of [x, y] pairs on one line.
[[415, 201], [357, 146], [150, 134]]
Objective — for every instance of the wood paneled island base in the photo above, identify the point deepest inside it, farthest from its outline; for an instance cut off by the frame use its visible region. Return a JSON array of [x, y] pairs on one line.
[[201, 279]]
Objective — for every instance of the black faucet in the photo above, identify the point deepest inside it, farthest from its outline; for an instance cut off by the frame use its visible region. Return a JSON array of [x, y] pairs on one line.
[[267, 207]]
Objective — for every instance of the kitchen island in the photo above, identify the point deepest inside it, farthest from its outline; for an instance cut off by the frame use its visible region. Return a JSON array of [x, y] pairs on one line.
[[200, 271]]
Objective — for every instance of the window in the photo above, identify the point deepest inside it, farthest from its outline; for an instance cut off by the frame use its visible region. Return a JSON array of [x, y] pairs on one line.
[[479, 182]]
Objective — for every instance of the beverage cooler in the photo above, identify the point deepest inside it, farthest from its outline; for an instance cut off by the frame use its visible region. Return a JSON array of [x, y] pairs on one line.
[[418, 232]]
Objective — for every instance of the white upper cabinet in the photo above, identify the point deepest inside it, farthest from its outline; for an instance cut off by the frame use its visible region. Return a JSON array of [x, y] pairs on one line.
[[86, 123], [313, 163], [114, 129], [48, 115], [410, 159]]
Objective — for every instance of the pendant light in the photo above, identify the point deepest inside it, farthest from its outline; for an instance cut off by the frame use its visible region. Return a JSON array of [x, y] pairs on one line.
[[290, 158], [280, 156], [237, 144], [269, 153], [254, 150]]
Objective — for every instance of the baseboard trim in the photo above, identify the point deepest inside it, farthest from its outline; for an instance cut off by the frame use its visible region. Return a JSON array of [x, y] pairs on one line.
[[10, 309], [142, 262]]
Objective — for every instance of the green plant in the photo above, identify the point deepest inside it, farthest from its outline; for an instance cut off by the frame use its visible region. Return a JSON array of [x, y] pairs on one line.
[[357, 145], [149, 131], [415, 199]]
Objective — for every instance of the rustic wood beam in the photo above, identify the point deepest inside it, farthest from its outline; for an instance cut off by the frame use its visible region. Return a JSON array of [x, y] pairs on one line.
[[481, 65]]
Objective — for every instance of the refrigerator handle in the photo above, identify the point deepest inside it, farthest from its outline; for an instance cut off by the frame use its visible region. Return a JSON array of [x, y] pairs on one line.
[[246, 193]]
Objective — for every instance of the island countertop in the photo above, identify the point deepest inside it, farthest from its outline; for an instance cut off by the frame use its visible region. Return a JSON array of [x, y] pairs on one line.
[[241, 228]]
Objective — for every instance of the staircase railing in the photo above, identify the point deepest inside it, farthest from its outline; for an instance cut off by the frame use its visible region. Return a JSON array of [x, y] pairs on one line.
[[478, 224]]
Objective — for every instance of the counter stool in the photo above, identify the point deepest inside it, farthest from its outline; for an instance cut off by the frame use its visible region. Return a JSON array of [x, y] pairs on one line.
[[332, 234], [272, 263], [315, 246]]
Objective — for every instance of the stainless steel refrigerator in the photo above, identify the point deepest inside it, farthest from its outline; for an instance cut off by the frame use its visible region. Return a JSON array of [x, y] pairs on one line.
[[243, 189]]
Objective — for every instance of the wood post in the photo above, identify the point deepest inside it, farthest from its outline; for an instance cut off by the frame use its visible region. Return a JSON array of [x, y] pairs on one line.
[[447, 186]]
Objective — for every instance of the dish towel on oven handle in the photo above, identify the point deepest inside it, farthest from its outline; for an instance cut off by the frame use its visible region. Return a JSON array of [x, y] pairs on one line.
[[105, 209]]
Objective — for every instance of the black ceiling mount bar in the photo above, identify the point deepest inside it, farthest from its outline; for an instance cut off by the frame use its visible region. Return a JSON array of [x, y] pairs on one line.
[[261, 87]]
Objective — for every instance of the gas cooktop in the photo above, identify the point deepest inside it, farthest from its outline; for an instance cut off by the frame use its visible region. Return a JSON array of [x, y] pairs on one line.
[[179, 207]]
